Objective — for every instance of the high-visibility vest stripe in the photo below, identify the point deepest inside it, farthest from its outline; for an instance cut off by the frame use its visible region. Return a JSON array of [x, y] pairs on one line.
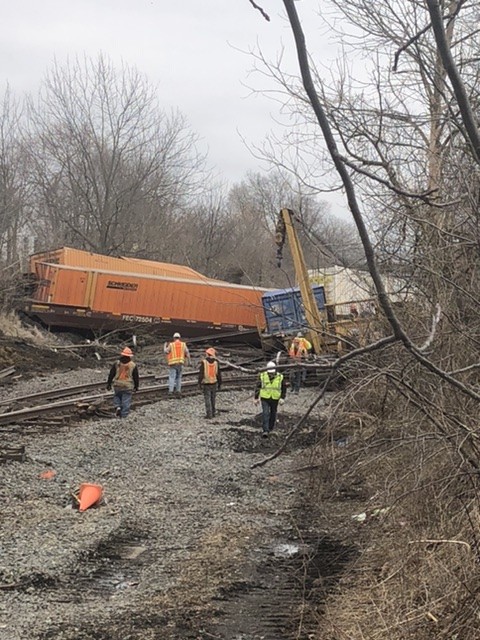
[[176, 355], [210, 371], [123, 375], [297, 350]]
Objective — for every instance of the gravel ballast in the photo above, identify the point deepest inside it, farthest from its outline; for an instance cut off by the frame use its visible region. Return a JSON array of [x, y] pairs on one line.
[[183, 513]]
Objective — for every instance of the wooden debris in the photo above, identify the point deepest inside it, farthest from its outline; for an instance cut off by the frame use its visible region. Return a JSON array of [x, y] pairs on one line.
[[8, 452], [4, 373], [90, 408]]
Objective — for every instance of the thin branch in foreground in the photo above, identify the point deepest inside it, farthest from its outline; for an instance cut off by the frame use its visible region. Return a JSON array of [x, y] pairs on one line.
[[435, 321], [428, 541], [296, 426], [471, 367], [264, 14], [335, 366], [404, 47]]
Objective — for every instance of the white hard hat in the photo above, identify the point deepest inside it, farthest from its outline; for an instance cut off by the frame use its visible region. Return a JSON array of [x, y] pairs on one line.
[[176, 335], [299, 334], [271, 365]]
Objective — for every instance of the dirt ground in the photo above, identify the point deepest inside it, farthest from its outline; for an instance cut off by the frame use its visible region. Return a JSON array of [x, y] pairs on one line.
[[28, 358], [189, 542]]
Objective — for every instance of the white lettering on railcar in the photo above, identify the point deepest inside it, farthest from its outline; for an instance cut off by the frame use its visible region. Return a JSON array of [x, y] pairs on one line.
[[146, 319]]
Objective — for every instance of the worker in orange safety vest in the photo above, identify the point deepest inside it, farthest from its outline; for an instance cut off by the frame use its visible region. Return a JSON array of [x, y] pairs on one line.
[[124, 377], [298, 352], [210, 380], [177, 354]]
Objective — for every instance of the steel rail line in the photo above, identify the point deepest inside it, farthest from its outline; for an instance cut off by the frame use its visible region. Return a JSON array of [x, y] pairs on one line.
[[82, 388], [64, 391], [142, 396]]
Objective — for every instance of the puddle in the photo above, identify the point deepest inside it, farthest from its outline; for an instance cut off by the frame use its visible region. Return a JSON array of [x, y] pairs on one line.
[[286, 550]]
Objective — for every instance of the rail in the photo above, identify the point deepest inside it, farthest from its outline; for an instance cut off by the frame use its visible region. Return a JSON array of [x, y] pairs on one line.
[[93, 404], [61, 393]]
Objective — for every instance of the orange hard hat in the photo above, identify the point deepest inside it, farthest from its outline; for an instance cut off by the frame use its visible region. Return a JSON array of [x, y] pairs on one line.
[[210, 352], [127, 352]]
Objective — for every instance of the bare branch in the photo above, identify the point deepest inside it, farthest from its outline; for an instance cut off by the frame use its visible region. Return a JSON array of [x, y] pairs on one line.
[[340, 166], [455, 78], [435, 321], [256, 6]]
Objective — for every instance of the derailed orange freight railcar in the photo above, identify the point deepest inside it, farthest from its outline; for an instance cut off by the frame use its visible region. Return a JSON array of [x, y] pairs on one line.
[[98, 299], [78, 258]]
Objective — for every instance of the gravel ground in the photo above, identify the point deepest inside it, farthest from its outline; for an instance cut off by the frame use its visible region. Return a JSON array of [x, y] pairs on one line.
[[182, 518]]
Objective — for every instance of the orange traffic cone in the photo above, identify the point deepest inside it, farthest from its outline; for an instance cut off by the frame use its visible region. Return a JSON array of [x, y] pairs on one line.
[[88, 495]]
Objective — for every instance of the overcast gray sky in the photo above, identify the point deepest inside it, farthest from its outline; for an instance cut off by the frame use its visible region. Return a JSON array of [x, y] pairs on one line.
[[191, 50]]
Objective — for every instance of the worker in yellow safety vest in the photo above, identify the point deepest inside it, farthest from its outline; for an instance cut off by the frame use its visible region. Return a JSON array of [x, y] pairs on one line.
[[177, 354], [210, 380], [271, 391]]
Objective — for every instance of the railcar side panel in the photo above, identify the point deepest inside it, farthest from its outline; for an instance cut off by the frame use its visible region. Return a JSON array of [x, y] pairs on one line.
[[194, 302], [284, 309], [60, 286], [106, 299], [77, 258]]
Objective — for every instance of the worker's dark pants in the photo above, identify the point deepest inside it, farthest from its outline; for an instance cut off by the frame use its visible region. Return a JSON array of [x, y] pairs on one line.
[[122, 399], [269, 414], [209, 393], [296, 379]]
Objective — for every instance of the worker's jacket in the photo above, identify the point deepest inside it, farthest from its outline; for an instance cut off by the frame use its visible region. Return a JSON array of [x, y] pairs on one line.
[[177, 352], [209, 372], [298, 350], [305, 344], [123, 378], [271, 388]]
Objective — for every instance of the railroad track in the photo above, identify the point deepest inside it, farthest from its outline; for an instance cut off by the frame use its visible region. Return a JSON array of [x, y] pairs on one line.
[[54, 394], [74, 404]]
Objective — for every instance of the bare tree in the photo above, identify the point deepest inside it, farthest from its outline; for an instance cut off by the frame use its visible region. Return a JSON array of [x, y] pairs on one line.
[[204, 230], [109, 166], [13, 186], [326, 239], [404, 145]]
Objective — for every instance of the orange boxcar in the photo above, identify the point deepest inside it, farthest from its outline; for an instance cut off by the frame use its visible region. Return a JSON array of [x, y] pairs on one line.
[[78, 258], [103, 299]]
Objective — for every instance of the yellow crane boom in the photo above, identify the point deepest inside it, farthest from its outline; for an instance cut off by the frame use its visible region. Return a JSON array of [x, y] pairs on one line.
[[286, 227]]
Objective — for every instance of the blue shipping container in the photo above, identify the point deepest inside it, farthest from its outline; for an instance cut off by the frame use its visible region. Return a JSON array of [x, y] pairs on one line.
[[284, 312]]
